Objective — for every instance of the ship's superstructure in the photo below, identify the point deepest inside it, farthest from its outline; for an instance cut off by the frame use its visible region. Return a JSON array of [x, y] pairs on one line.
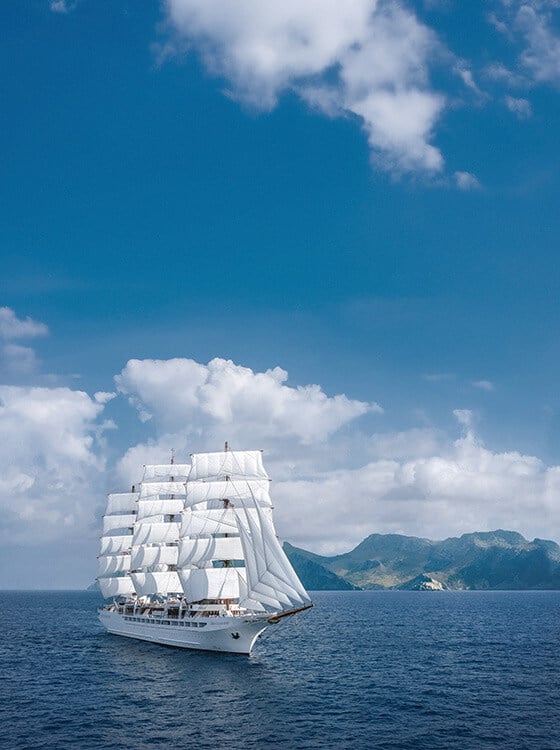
[[192, 558]]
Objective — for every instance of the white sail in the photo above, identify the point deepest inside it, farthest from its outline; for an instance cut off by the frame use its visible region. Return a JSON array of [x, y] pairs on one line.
[[158, 532], [223, 486], [121, 502], [145, 557], [245, 491], [120, 586], [164, 472], [200, 551], [257, 584], [213, 521], [150, 489], [156, 583], [206, 522], [112, 545], [253, 604], [210, 583], [159, 507], [232, 464], [121, 521], [271, 580], [108, 564]]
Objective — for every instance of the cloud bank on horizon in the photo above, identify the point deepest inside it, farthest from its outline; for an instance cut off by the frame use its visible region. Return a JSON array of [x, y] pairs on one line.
[[338, 475], [371, 60]]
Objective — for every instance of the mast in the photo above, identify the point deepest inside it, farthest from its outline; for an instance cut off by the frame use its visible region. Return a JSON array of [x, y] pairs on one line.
[[211, 564], [156, 533], [228, 548], [114, 556]]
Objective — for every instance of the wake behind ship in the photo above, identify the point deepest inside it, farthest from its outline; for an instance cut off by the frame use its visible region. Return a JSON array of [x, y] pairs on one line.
[[191, 558]]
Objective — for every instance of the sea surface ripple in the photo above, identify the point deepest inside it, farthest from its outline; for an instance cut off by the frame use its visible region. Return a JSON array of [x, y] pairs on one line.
[[387, 670]]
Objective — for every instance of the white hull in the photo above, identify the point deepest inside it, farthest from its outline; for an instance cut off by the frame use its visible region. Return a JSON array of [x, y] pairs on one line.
[[235, 635]]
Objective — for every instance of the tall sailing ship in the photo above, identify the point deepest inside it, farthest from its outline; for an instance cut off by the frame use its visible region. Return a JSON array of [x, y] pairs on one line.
[[190, 557]]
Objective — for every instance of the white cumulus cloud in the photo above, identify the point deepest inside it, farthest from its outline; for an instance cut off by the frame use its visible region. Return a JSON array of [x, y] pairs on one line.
[[519, 106], [466, 181], [464, 487], [533, 26], [50, 459], [224, 397], [542, 52], [62, 6], [15, 359], [413, 443], [368, 59], [195, 407], [334, 486], [12, 327]]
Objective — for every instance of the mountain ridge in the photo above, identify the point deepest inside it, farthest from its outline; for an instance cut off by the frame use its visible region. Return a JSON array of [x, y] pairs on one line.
[[482, 560]]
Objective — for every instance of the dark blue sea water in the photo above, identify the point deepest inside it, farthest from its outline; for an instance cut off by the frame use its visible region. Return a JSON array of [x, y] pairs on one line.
[[362, 670]]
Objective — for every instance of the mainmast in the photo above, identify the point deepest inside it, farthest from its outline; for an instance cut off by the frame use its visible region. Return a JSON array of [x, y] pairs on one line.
[[228, 548]]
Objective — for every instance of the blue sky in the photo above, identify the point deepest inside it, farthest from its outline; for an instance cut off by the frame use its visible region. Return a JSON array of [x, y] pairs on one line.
[[372, 209]]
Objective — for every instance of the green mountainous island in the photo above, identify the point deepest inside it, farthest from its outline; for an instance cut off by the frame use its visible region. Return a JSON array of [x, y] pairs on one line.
[[481, 560]]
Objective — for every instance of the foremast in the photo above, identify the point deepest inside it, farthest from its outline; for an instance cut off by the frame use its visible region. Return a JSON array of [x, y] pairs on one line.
[[113, 563], [139, 545]]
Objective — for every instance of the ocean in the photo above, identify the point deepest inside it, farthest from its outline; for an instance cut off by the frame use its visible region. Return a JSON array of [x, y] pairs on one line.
[[414, 670]]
